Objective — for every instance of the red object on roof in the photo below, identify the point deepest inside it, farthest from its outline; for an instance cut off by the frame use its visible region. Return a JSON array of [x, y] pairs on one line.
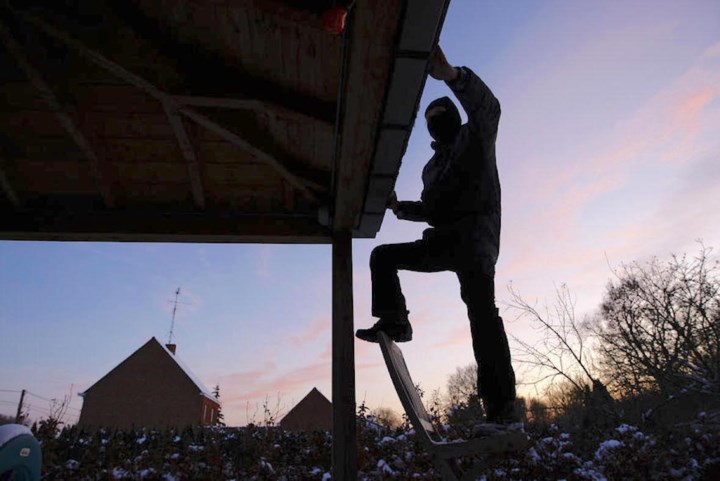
[[334, 20]]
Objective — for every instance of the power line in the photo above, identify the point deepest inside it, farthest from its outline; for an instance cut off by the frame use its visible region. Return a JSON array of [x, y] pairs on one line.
[[32, 411], [40, 397], [9, 390]]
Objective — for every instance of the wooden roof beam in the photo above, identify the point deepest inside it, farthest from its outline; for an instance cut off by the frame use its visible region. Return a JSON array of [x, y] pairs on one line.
[[65, 120], [8, 190], [303, 185], [188, 152], [159, 226], [231, 103]]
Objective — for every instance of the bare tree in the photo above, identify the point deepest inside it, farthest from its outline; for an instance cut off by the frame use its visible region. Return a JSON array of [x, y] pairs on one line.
[[271, 414], [462, 407], [561, 360], [539, 413], [462, 384], [659, 326], [386, 417], [562, 351]]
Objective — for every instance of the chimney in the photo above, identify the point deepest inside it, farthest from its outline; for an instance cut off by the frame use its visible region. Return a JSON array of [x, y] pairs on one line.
[[171, 347]]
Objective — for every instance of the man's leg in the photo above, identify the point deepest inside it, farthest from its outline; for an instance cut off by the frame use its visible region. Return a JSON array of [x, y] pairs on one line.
[[496, 378], [388, 302]]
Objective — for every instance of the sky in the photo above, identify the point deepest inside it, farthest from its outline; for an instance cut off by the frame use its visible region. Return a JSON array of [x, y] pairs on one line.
[[608, 153]]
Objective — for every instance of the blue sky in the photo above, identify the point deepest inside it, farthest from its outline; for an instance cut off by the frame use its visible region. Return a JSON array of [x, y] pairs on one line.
[[608, 152]]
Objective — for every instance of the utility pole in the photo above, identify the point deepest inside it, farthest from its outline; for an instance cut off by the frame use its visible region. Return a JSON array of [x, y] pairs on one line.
[[20, 405]]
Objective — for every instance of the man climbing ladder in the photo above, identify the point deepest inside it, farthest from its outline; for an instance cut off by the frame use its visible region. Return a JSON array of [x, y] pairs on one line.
[[461, 202]]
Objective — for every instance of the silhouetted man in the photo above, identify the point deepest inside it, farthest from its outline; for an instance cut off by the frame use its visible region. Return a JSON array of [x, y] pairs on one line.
[[461, 201]]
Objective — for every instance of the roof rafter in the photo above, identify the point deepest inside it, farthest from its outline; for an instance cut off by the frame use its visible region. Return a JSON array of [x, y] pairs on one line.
[[8, 189], [303, 185], [228, 77], [65, 120], [231, 103], [188, 151]]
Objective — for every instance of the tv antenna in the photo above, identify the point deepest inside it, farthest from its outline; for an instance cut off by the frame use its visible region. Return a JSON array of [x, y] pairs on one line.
[[175, 305]]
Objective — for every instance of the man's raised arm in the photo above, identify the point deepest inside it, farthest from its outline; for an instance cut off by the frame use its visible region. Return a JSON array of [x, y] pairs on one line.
[[476, 98], [478, 101]]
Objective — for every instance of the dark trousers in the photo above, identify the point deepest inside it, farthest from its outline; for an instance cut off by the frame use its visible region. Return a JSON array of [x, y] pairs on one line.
[[496, 378]]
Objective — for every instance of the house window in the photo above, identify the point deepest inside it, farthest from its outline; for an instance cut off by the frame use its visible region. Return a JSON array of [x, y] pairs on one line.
[[212, 416], [204, 417]]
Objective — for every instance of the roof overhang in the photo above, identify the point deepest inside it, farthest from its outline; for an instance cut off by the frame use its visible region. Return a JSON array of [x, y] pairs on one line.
[[420, 31]]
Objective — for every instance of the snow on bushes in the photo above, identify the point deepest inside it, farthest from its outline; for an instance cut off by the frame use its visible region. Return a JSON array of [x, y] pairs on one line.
[[268, 453]]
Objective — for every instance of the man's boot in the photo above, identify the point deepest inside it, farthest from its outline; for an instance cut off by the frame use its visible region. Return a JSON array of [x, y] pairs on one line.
[[398, 329], [499, 420]]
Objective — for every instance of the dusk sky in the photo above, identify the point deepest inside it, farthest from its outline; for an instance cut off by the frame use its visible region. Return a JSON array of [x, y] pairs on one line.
[[608, 152]]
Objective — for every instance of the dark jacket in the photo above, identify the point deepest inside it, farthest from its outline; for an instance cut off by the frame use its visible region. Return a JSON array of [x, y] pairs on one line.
[[461, 188]]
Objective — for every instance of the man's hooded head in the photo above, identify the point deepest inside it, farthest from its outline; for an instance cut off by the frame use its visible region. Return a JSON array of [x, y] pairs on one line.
[[443, 120]]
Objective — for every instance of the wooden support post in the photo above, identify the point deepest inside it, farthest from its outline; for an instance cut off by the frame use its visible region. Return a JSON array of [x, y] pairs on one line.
[[344, 445], [18, 416], [187, 149]]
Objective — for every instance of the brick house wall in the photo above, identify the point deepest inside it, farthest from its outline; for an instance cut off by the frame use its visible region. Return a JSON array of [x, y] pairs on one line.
[[148, 389]]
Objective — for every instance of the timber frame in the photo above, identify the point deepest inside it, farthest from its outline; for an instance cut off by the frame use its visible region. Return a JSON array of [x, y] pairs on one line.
[[213, 121]]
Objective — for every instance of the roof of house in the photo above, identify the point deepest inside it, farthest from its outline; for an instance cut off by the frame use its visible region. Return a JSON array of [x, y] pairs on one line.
[[203, 390], [313, 397], [206, 121], [196, 380]]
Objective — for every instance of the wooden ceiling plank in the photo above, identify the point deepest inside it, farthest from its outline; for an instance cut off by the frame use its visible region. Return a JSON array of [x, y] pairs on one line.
[[301, 184], [65, 120], [188, 152], [238, 18], [282, 12]]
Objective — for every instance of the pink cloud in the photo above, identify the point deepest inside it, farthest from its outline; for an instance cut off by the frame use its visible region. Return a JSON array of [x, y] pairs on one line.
[[668, 121], [559, 219], [326, 355], [368, 366], [252, 385], [690, 107], [241, 378], [712, 52], [459, 336], [666, 129], [316, 329]]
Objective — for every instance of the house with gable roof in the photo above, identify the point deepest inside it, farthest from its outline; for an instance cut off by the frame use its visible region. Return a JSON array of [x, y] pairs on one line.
[[313, 412], [150, 388]]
